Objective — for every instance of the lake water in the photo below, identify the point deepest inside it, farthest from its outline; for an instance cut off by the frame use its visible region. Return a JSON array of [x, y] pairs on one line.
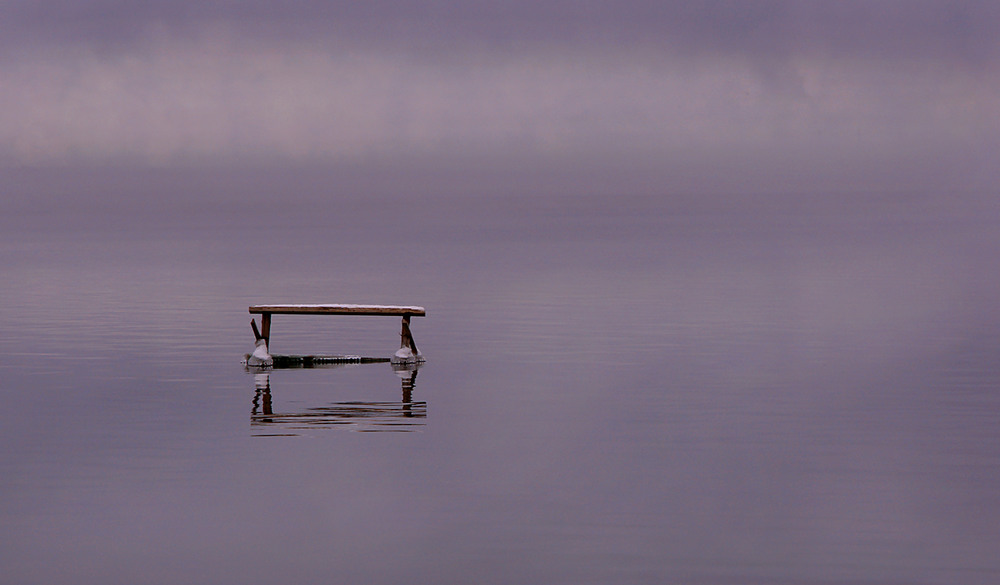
[[619, 388]]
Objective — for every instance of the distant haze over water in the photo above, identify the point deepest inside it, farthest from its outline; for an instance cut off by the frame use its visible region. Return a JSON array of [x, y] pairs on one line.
[[768, 96]]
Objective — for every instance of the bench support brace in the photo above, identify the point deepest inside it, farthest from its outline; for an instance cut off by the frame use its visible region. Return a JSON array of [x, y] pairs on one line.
[[265, 329], [406, 338]]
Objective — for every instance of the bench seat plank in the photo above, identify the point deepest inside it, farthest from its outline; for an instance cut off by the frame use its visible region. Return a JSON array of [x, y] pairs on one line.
[[339, 309]]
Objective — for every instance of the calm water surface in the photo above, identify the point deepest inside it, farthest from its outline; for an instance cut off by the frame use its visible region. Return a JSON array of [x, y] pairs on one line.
[[716, 390]]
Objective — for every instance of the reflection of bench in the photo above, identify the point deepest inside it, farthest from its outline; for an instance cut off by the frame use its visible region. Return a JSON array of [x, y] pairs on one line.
[[405, 415], [406, 338]]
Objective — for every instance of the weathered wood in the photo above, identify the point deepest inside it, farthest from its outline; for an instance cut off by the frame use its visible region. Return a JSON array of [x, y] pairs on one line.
[[337, 309], [256, 333], [311, 361], [406, 337], [265, 329]]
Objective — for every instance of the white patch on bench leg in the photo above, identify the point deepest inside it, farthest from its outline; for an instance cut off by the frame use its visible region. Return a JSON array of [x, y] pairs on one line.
[[260, 356], [405, 355]]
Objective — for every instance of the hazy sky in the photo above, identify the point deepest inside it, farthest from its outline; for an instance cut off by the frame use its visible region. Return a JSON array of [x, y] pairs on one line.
[[743, 95]]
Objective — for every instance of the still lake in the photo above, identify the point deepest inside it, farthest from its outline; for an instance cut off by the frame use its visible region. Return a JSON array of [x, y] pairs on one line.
[[711, 389]]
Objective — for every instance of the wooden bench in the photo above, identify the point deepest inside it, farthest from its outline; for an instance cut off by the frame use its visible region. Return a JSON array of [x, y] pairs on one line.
[[406, 338]]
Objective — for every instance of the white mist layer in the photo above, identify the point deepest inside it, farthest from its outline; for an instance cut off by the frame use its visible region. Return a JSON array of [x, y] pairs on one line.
[[220, 99]]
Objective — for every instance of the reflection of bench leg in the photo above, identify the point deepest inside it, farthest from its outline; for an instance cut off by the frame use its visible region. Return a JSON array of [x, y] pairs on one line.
[[408, 383], [406, 338], [262, 396]]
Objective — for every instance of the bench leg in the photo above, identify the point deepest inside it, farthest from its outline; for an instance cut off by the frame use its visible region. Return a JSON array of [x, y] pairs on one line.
[[265, 329], [406, 338]]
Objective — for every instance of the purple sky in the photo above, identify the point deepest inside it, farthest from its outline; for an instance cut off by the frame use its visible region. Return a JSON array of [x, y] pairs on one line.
[[713, 95]]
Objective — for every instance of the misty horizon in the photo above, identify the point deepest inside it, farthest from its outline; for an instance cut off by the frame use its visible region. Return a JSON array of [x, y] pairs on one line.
[[775, 96]]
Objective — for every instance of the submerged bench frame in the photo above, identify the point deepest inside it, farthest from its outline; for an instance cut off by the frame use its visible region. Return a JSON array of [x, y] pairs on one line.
[[265, 312]]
